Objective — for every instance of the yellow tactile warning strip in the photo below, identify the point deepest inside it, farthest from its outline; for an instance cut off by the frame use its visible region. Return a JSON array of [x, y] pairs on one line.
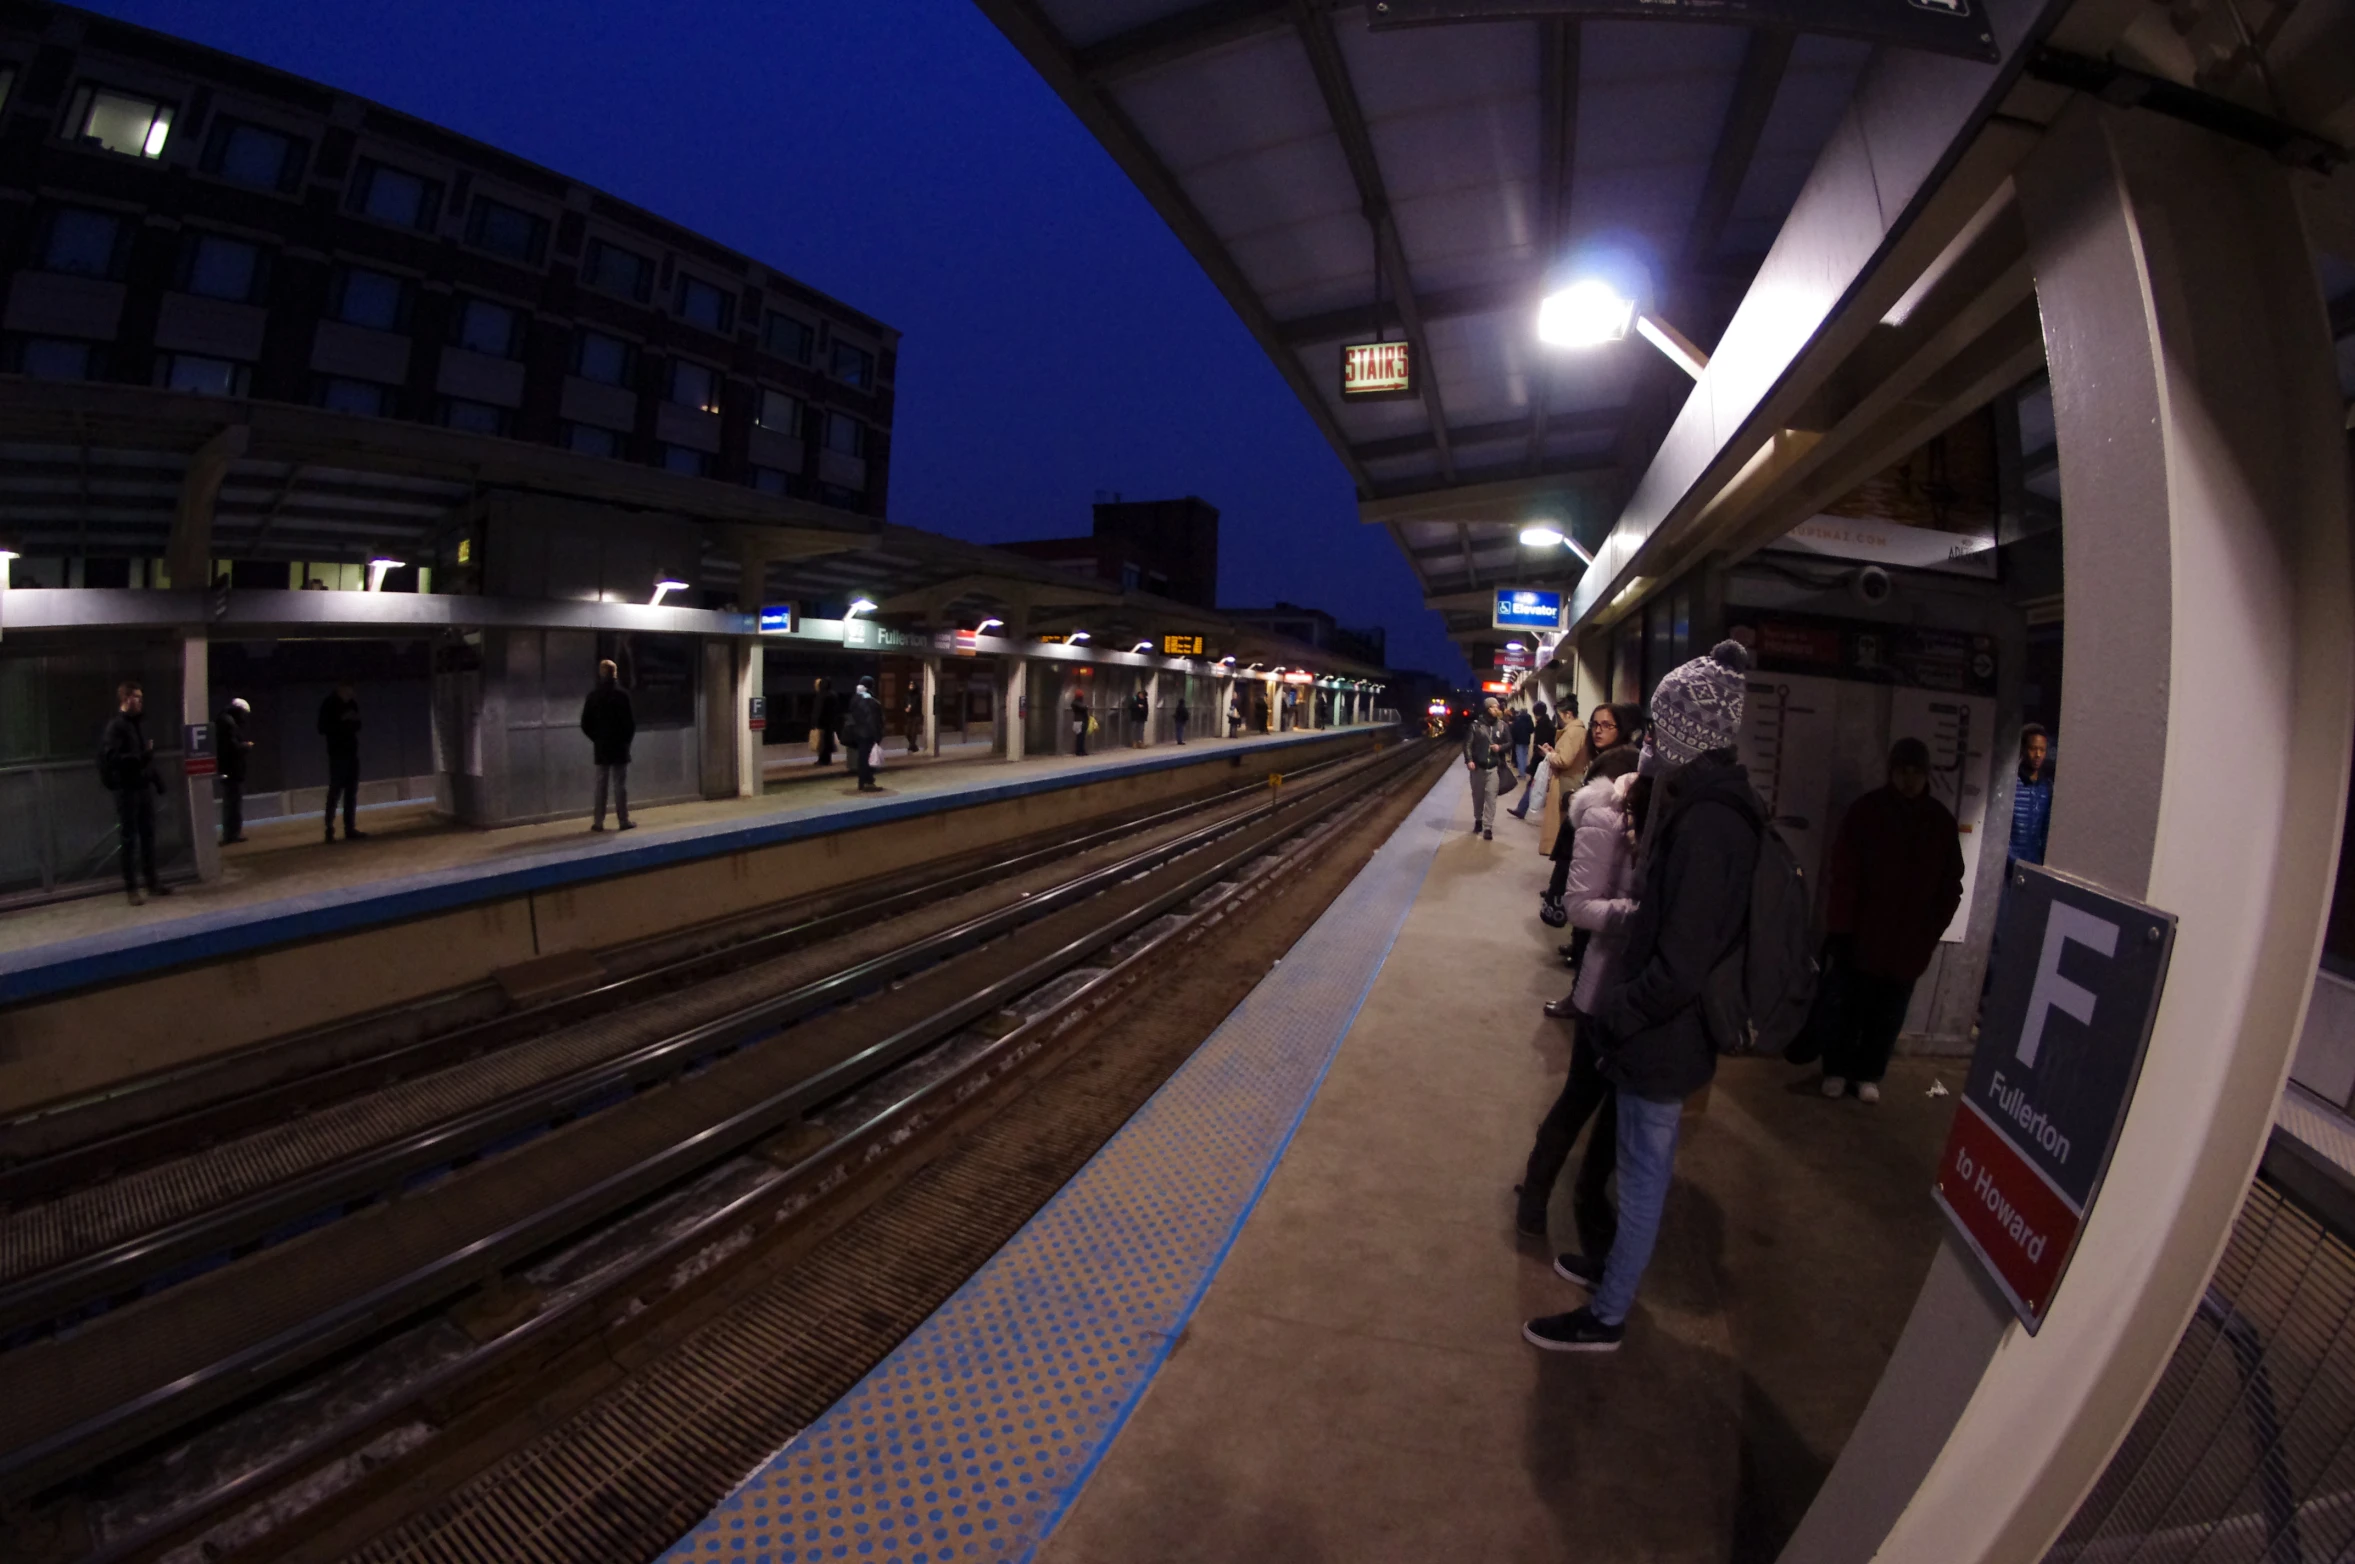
[[978, 1431]]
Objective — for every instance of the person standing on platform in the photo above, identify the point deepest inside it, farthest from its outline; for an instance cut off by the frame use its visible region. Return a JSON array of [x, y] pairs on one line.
[[912, 716], [339, 725], [1615, 727], [862, 733], [1485, 743], [1544, 733], [1651, 1042], [1235, 717], [1524, 728], [230, 744], [1891, 887], [1178, 719], [611, 725], [828, 717], [2032, 796], [126, 764], [1140, 712], [1079, 722]]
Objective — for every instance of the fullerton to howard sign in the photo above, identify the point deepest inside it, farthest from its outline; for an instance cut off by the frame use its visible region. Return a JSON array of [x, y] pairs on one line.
[[1376, 369], [2073, 984]]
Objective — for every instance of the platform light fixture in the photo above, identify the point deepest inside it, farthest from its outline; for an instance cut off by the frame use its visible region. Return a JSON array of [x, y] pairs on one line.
[[1075, 637], [1142, 646], [1545, 535], [989, 624], [858, 606], [376, 571], [664, 588], [1590, 312]]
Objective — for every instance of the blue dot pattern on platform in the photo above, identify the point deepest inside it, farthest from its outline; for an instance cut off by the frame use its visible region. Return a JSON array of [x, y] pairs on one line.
[[974, 1436]]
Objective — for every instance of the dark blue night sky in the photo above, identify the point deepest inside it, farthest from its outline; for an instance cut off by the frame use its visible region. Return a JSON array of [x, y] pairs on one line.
[[900, 155]]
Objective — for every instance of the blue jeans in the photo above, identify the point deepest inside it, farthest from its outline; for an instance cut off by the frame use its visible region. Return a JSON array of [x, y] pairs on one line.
[[1647, 1157]]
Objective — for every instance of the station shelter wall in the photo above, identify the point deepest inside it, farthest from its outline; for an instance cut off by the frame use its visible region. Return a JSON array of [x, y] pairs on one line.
[[285, 682], [519, 752], [57, 823]]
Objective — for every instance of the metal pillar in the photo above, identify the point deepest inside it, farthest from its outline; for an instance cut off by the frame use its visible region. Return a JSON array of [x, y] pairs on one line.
[[2204, 485], [1152, 707], [196, 700], [751, 684], [1013, 698], [932, 706]]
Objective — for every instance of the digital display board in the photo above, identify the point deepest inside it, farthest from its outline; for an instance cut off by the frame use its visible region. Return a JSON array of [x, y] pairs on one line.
[[1376, 369], [1181, 646], [1527, 608]]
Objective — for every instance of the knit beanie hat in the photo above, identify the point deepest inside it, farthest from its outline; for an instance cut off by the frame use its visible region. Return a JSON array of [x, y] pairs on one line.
[[1698, 707]]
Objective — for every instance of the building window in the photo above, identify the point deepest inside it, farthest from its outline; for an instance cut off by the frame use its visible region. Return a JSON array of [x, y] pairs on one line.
[[694, 386], [338, 395], [788, 338], [474, 417], [505, 230], [778, 412], [701, 304], [845, 436], [688, 463], [56, 358], [854, 366], [208, 376], [611, 269], [597, 356], [768, 480], [589, 440], [372, 299], [252, 155], [119, 122], [83, 243], [479, 326], [391, 196], [836, 494], [222, 268], [1130, 576]]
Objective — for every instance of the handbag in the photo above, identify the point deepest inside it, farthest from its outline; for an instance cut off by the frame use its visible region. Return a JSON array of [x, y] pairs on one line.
[[875, 756], [1506, 778]]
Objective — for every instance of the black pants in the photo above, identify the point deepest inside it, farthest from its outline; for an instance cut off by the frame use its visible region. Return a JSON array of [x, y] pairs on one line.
[[1181, 730], [134, 812], [864, 758], [1079, 740], [1582, 1094], [825, 748], [232, 808], [343, 781], [1560, 882], [1860, 1027]]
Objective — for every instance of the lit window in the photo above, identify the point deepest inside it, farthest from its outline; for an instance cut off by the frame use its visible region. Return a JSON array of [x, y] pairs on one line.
[[845, 436], [353, 396], [484, 327], [82, 242], [222, 268], [689, 463], [701, 304], [505, 230], [597, 356], [853, 366], [391, 196], [768, 480], [371, 299], [612, 269], [778, 412], [119, 122], [210, 376], [474, 417], [694, 386], [589, 440], [788, 338], [251, 154], [54, 358]]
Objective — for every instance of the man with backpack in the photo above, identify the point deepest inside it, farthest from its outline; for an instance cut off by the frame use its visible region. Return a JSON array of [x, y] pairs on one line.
[[1653, 1037]]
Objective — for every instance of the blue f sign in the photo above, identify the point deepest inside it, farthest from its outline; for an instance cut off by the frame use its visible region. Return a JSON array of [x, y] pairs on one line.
[[2052, 991]]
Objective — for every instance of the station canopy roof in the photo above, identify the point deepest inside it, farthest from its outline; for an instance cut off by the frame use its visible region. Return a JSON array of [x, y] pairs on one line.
[[1342, 183]]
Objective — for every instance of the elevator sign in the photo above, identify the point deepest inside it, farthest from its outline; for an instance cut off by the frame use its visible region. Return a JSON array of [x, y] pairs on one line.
[[1526, 608], [1376, 369], [2072, 987]]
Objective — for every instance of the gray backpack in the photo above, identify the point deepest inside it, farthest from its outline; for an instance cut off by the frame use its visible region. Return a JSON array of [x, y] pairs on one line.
[[1756, 1000]]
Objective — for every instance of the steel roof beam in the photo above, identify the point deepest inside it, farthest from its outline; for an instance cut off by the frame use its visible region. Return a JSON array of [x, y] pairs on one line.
[[1027, 28], [1181, 36], [1557, 163], [1763, 64], [1587, 420], [1357, 146]]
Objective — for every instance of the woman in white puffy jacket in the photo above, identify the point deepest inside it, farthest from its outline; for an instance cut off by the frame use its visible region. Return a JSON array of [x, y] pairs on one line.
[[1599, 894]]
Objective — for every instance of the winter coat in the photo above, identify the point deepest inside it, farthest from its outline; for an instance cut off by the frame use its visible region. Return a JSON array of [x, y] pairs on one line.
[[1484, 743], [1542, 730], [1568, 764], [830, 713], [339, 725], [1893, 882], [1523, 726], [2032, 817], [230, 744], [1695, 898], [610, 724], [1600, 891], [862, 722], [126, 759]]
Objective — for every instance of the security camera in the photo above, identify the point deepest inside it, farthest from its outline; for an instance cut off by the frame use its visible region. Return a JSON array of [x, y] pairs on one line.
[[1872, 586]]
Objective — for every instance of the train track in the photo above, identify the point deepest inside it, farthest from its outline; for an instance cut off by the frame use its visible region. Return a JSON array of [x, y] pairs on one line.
[[612, 1150]]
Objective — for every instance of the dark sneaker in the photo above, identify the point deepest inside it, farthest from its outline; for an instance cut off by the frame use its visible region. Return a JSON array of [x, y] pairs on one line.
[[351, 835], [1577, 1331], [596, 825], [1488, 836], [629, 825], [159, 890], [1528, 1220], [1578, 1271]]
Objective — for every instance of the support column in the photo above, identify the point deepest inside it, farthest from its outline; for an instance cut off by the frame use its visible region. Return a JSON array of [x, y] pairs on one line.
[[196, 705], [751, 684], [1152, 707], [1013, 697], [931, 703], [2204, 487]]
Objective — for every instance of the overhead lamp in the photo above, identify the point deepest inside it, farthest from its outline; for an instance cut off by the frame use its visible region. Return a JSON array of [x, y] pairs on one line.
[[664, 588], [1590, 313], [989, 624], [1515, 646], [1541, 535], [858, 606], [1075, 637], [1142, 646], [376, 569]]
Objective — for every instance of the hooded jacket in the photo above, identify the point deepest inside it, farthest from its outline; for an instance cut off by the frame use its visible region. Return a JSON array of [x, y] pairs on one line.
[[1893, 882], [1600, 891], [1694, 902]]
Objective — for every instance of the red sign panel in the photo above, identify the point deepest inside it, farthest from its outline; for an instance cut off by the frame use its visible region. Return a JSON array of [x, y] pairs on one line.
[[1376, 369], [199, 766], [2017, 1221]]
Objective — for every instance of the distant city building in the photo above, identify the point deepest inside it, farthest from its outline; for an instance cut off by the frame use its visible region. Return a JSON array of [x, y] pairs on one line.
[[1166, 547], [1315, 627]]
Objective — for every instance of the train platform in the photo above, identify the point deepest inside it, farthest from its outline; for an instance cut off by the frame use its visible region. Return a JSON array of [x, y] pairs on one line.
[[1278, 1315]]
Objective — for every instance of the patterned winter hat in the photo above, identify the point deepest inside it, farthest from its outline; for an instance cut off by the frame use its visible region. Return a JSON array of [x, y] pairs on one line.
[[1698, 707]]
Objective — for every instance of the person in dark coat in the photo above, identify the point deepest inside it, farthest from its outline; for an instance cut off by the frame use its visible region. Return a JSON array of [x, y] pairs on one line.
[[2032, 796], [611, 725], [126, 764], [1524, 728], [1079, 723], [339, 725], [231, 741], [1703, 832], [829, 718], [862, 731], [1179, 718], [1890, 888], [1140, 712]]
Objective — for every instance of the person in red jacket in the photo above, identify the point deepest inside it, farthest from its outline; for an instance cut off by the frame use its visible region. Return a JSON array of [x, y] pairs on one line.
[[1893, 883]]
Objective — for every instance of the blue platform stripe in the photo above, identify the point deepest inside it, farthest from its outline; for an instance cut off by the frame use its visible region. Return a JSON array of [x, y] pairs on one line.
[[976, 1434], [36, 971]]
